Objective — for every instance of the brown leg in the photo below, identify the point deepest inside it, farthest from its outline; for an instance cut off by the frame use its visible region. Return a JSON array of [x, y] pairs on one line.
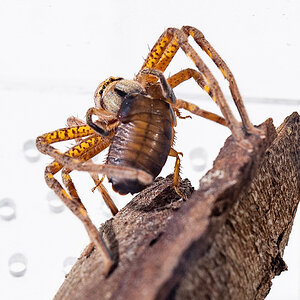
[[212, 84], [176, 154], [211, 52]]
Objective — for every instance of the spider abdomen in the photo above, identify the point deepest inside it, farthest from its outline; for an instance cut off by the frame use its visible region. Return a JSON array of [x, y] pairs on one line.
[[142, 140]]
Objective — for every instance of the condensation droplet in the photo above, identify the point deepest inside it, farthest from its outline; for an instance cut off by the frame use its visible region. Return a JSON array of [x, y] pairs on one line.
[[30, 151], [55, 204], [17, 264], [7, 209], [198, 157], [68, 263]]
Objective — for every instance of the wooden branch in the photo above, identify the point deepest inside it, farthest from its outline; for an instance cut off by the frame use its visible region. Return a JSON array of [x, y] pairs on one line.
[[225, 242]]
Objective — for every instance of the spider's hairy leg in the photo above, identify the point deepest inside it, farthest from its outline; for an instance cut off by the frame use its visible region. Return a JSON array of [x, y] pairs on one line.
[[176, 179], [188, 73], [43, 142], [160, 55], [72, 200], [216, 58], [184, 75]]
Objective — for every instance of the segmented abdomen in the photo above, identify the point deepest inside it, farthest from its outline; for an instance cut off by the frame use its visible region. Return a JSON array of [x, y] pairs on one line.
[[142, 140]]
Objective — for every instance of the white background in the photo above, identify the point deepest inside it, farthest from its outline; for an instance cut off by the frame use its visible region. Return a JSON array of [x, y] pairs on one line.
[[53, 54]]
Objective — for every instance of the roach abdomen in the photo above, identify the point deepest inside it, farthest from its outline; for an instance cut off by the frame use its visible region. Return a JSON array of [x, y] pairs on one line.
[[142, 141]]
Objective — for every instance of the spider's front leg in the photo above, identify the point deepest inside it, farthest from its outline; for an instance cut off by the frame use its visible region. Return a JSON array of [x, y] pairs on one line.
[[85, 150]]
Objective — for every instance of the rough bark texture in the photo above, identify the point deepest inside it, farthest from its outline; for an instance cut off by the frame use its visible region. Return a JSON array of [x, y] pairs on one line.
[[225, 242]]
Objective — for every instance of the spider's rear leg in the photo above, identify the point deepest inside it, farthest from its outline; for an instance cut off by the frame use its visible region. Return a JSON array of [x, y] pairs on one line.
[[194, 109], [184, 75], [216, 58]]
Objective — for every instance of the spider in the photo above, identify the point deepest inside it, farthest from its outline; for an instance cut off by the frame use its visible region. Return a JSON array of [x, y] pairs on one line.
[[135, 119]]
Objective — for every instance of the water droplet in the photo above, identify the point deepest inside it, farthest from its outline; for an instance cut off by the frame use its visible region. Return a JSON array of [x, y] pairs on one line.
[[30, 151], [55, 204], [17, 264], [198, 157], [68, 263], [7, 209]]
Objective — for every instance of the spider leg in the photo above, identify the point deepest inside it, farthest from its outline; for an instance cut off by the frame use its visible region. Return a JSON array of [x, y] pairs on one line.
[[43, 142], [184, 75], [72, 200], [161, 55], [176, 179], [107, 199], [212, 84], [194, 109], [219, 62]]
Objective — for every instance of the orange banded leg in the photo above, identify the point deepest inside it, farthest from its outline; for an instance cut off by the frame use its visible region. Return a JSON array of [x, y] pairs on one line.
[[194, 109], [160, 55], [188, 73], [184, 75], [43, 142], [219, 62], [176, 179]]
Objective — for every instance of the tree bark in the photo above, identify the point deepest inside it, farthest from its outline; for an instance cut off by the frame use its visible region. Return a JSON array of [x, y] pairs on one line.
[[225, 242]]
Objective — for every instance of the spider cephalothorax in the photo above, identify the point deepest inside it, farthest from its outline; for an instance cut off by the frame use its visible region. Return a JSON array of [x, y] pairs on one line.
[[135, 119]]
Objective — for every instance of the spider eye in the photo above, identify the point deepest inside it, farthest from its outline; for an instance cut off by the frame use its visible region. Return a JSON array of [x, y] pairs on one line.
[[104, 84]]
